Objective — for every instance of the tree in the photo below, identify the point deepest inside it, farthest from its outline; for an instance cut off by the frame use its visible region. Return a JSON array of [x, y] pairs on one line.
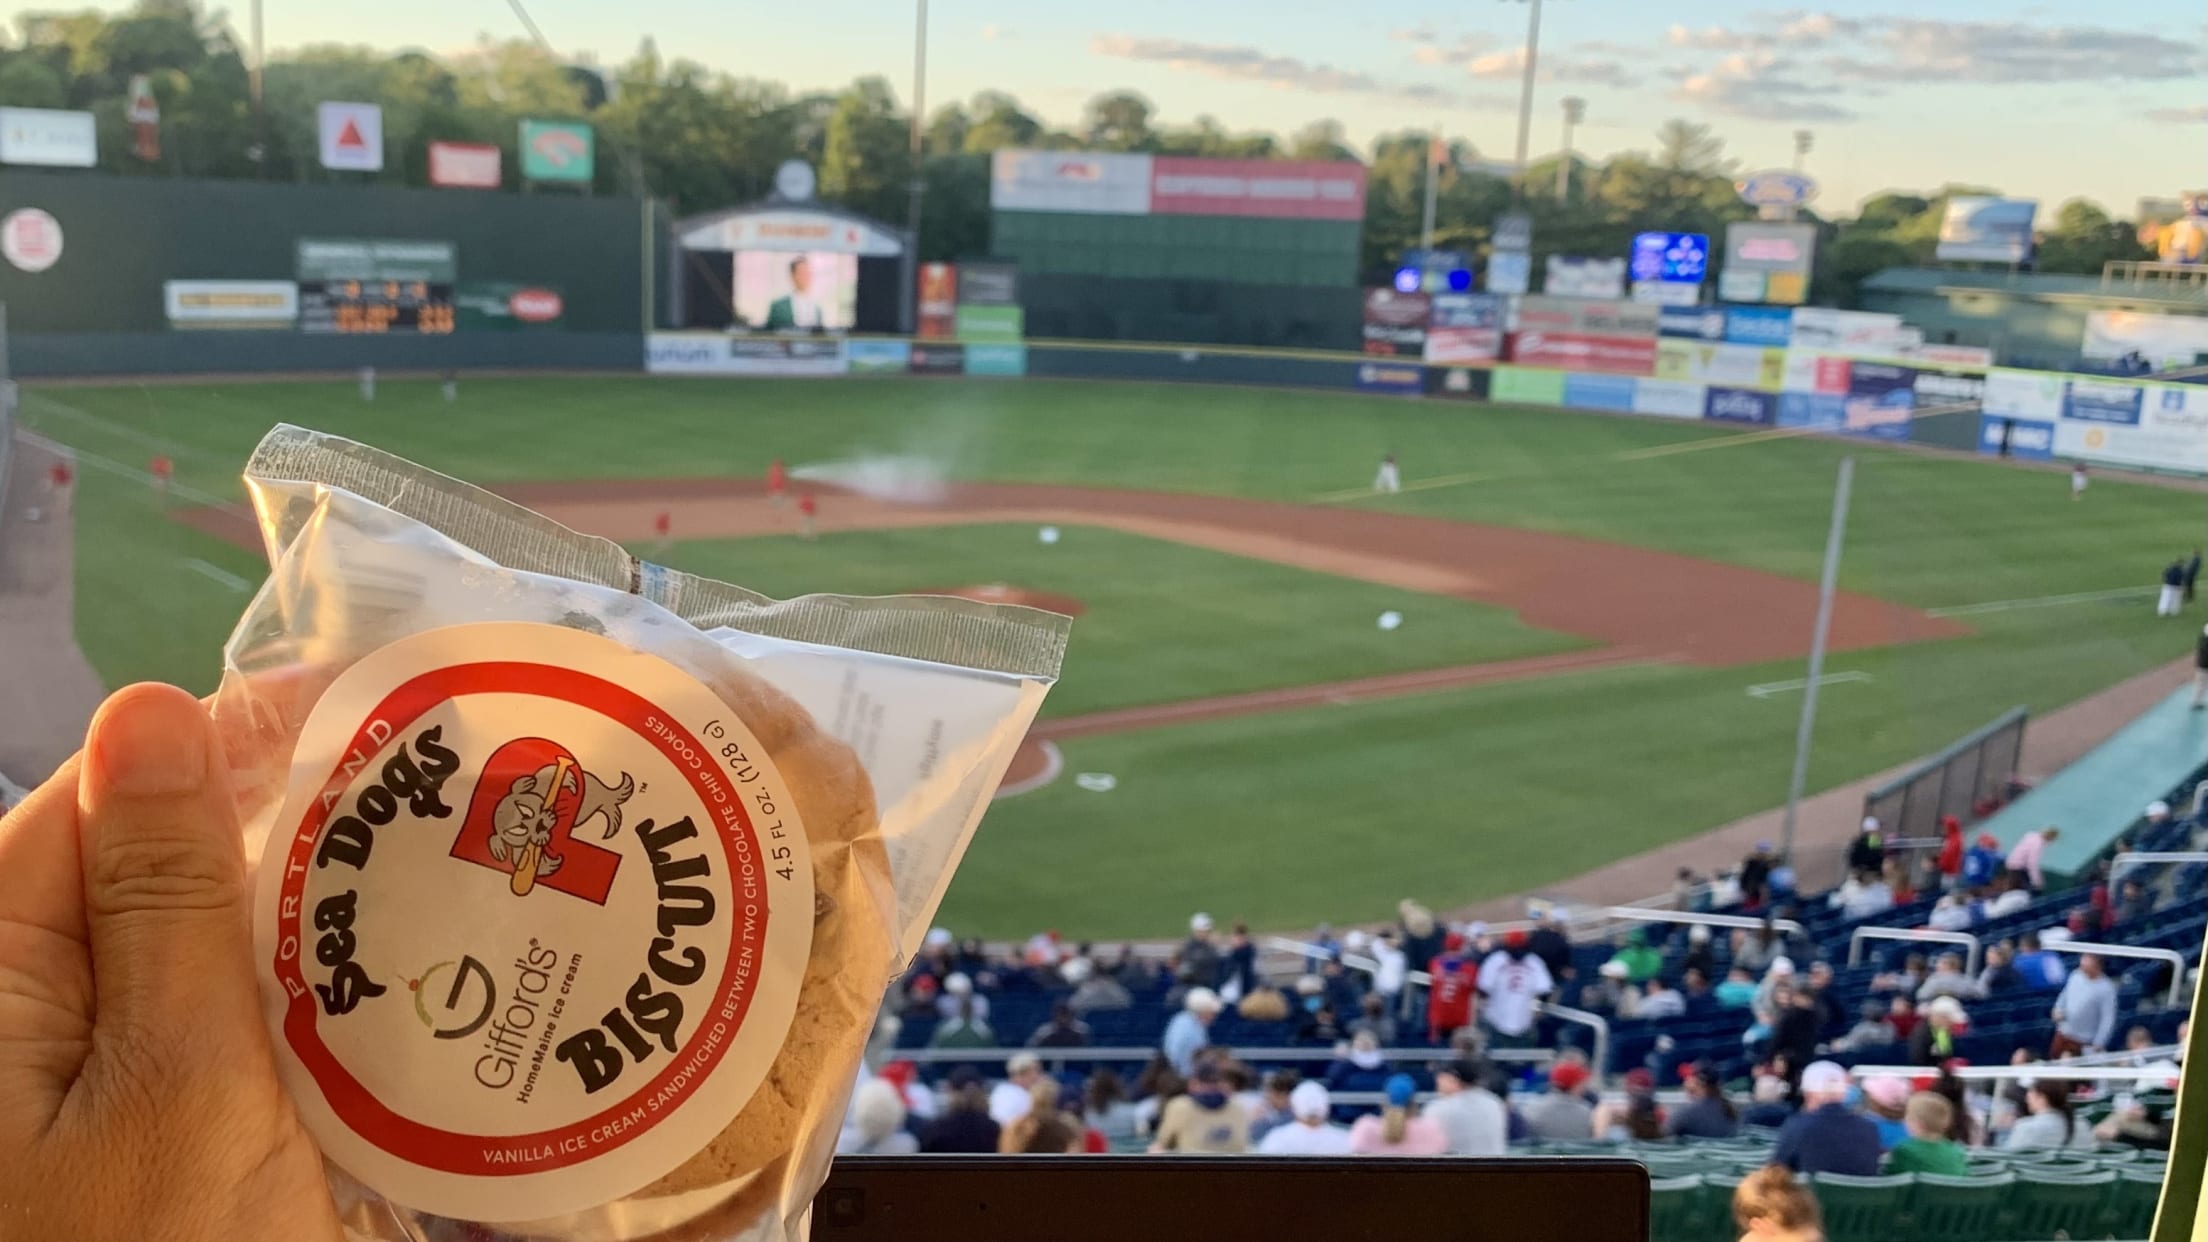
[[999, 122], [29, 82], [1119, 121], [1320, 140], [946, 131], [866, 163], [2084, 240], [1684, 147]]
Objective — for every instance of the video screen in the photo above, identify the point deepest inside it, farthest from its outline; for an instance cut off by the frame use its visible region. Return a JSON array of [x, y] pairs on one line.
[[809, 291]]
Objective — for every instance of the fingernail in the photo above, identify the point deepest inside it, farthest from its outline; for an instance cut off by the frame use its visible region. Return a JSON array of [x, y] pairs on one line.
[[149, 743]]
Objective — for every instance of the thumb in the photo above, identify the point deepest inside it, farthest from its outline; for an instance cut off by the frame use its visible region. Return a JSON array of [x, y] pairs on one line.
[[164, 871]]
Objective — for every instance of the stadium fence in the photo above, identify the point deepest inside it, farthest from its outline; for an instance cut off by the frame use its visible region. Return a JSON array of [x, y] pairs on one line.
[[1973, 772]]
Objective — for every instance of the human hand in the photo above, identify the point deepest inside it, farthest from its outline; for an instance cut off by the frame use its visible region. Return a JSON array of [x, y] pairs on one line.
[[138, 1092]]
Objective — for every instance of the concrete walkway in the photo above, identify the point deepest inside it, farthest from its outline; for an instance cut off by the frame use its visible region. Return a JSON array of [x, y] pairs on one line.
[[47, 688]]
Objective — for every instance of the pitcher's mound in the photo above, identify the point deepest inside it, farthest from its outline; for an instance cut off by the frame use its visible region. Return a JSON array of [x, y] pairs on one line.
[[998, 593]]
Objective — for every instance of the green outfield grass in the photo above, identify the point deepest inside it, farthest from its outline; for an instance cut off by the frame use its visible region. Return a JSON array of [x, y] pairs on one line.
[[1289, 818]]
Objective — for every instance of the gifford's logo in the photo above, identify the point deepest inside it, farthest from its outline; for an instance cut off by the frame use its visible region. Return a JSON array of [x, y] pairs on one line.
[[522, 820]]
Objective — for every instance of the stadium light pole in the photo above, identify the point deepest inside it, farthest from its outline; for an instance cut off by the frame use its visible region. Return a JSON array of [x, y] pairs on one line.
[[1575, 111], [260, 109], [908, 311], [1827, 586], [1525, 99]]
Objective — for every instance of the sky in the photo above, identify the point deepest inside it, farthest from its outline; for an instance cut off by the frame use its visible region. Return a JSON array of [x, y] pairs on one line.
[[2046, 99]]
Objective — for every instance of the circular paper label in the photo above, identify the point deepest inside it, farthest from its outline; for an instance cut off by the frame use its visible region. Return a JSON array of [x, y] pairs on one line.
[[533, 920]]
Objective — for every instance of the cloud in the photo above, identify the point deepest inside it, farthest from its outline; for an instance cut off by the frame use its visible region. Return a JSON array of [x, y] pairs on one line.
[[1760, 86], [1916, 50], [993, 33], [2179, 116], [1481, 57], [1417, 34], [1248, 64]]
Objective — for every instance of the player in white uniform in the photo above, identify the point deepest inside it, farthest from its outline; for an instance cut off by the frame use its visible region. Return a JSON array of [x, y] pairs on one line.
[[2077, 481], [1389, 479]]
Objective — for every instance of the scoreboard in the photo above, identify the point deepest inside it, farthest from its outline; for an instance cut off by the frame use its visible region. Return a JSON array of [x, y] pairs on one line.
[[377, 287]]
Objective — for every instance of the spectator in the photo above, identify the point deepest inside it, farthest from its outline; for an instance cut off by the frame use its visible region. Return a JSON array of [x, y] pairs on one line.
[[921, 992], [1038, 1128], [1952, 912], [1320, 1026], [1660, 1002], [1901, 1014], [1474, 1119], [1928, 1118], [2162, 1072], [1062, 1031], [1641, 962], [1830, 1014], [1309, 1134], [1825, 1137], [1326, 947], [1391, 970], [2024, 858], [1205, 1120], [1561, 1114], [963, 1029], [1796, 1028], [958, 993], [921, 1105], [1422, 937], [1739, 989], [1779, 975], [1756, 950], [1549, 942], [2009, 897], [1451, 997], [1947, 979], [1190, 1030], [877, 1125], [1767, 1106], [1950, 863], [1398, 1130], [1134, 972], [1276, 1107], [2048, 1121], [2000, 977], [1360, 1067], [1637, 1119], [1906, 980], [1865, 895], [1239, 966], [2085, 1013], [1755, 875], [2041, 970], [1872, 1030], [1700, 954], [1982, 863], [1108, 1111], [1093, 990], [965, 1127], [1696, 994], [2132, 904], [1009, 1100], [1769, 1205], [1688, 892], [1707, 1114], [1201, 965], [1868, 851], [1933, 1041], [1885, 1099], [1610, 992], [1158, 1082], [1373, 1019], [1514, 981]]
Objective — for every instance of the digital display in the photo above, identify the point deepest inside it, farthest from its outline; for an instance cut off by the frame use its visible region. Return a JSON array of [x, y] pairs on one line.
[[375, 307], [796, 291]]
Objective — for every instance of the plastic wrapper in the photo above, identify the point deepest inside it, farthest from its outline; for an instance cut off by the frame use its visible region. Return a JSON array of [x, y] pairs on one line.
[[579, 881]]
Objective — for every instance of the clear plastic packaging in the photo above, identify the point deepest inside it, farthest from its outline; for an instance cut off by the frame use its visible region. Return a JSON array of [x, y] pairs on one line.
[[572, 916]]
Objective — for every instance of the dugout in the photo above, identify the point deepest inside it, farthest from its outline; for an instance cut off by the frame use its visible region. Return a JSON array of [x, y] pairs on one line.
[[145, 275], [786, 266], [1162, 248]]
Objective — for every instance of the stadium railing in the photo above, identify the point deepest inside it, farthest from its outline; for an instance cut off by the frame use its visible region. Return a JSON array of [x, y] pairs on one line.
[[2141, 858], [1745, 922], [1971, 947], [2172, 956]]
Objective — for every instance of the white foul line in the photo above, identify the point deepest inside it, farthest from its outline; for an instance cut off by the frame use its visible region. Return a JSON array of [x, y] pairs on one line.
[[1053, 763], [217, 573], [1769, 688], [2045, 601], [111, 466]]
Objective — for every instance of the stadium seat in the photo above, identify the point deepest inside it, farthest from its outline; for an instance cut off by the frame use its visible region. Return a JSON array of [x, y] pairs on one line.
[[1675, 1209], [2132, 1200], [1957, 1209], [1863, 1209], [2048, 1205], [1717, 1204]]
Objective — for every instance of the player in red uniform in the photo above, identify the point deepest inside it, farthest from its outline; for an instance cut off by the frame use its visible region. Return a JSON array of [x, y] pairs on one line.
[[162, 470], [778, 482], [663, 525], [1456, 982], [807, 509], [58, 478]]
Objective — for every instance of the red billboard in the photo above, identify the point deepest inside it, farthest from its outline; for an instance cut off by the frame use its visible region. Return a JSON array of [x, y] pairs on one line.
[[938, 320], [1572, 351], [1288, 189], [464, 165]]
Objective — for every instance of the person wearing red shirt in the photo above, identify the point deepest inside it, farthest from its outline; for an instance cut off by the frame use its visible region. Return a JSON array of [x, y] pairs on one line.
[[1450, 998], [162, 469], [1951, 851], [807, 510], [778, 482]]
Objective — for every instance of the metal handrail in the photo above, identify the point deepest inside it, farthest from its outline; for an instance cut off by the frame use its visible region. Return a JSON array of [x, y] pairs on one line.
[[2145, 858], [2067, 1067], [2172, 956], [1643, 914], [1600, 1056], [1968, 941], [1059, 1058]]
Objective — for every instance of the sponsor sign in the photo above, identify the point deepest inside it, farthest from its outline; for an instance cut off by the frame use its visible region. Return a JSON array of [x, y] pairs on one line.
[[1786, 288], [1395, 323], [1759, 325], [1599, 392], [1671, 258], [1776, 188], [2029, 439], [1572, 276], [1527, 386], [1881, 400], [1513, 231], [1987, 230], [1739, 286], [1669, 398], [1509, 272], [706, 353], [1974, 356], [996, 359], [1664, 293], [2171, 432], [507, 306], [143, 108], [351, 136], [1739, 405], [1813, 411], [436, 262], [938, 319], [1587, 316], [2030, 396], [869, 356], [1572, 351], [1462, 383], [1804, 371], [48, 138], [1729, 366], [1860, 334], [466, 165], [1083, 181], [230, 303], [1698, 323], [1289, 189], [1401, 378], [2163, 340], [989, 284], [30, 239], [798, 230], [1780, 254], [1465, 327], [559, 151], [929, 358], [2096, 401], [1005, 325], [1940, 389]]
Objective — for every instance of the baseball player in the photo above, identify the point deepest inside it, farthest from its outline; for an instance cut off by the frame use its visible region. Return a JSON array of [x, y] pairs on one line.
[[1389, 479], [2172, 600], [2077, 481], [162, 470], [778, 482], [663, 526], [807, 509], [58, 478]]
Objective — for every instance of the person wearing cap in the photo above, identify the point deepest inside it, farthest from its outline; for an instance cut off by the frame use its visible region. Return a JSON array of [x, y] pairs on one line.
[[1190, 1030], [1011, 1099], [1868, 851], [1826, 1137], [1549, 942], [1982, 862], [1206, 1120], [1755, 874], [1064, 1030], [1637, 1118], [1398, 1130], [1200, 964], [1513, 981], [958, 987], [1885, 1097], [1561, 1113], [1641, 960], [963, 1029], [1310, 1133], [1707, 1114], [1454, 988], [1473, 1118], [2024, 858]]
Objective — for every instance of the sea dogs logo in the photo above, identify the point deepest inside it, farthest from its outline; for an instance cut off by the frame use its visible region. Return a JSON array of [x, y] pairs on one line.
[[522, 820]]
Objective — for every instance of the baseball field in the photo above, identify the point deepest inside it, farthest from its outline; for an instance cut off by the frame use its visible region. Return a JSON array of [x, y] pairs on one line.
[[1599, 616]]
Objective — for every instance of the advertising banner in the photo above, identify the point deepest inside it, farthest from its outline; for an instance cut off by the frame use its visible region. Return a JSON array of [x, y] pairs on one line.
[[711, 353], [1573, 276], [1664, 293], [2163, 341], [2028, 439], [1395, 323], [1587, 316], [30, 239], [1759, 325], [1464, 327], [996, 359], [1672, 258], [1509, 272], [466, 165], [2171, 432], [870, 356], [929, 358], [1975, 356], [1813, 411], [1860, 334], [558, 151], [1400, 378], [1669, 398], [230, 303], [1287, 189], [2098, 401], [1779, 255], [1805, 371], [2032, 396], [1740, 286], [1599, 392], [989, 284], [48, 138], [1881, 400], [1091, 182], [507, 306], [1786, 288], [794, 230], [1944, 390], [1003, 325], [351, 136], [1701, 323], [1987, 230], [1739, 405], [1527, 386], [1572, 351], [938, 297], [1728, 366], [1461, 383]]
